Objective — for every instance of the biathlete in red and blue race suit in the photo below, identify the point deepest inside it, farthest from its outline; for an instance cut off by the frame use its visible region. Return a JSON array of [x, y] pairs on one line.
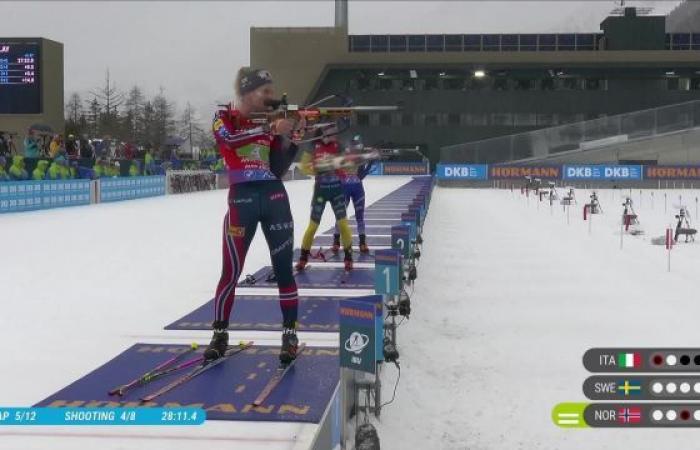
[[256, 158]]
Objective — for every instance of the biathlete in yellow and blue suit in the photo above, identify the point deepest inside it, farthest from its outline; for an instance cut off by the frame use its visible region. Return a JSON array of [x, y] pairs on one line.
[[328, 188]]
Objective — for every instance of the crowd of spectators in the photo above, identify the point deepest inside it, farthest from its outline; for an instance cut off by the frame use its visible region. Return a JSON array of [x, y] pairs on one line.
[[42, 155]]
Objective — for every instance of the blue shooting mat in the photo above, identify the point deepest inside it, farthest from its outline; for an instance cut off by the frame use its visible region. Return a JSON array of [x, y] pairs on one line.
[[225, 392], [331, 257], [318, 277], [369, 229], [262, 313], [378, 222], [326, 240]]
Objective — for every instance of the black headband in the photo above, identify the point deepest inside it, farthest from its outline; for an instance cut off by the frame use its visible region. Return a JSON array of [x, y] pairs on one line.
[[253, 80]]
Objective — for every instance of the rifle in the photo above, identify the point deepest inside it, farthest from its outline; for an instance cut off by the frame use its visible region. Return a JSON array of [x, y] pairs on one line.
[[355, 159], [316, 116]]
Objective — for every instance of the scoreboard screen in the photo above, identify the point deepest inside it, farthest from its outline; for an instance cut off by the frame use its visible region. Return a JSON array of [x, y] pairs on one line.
[[20, 87]]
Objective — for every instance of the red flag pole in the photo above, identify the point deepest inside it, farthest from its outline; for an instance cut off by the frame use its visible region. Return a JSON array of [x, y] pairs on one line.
[[622, 229], [669, 245]]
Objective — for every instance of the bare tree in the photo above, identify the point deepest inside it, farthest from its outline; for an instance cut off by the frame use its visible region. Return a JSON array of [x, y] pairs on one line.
[[190, 127], [109, 98]]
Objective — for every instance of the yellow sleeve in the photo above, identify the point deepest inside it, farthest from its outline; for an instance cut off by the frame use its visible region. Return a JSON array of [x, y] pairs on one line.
[[307, 165]]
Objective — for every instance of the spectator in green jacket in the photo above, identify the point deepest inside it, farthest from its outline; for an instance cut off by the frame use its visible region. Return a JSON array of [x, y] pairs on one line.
[[55, 170], [98, 169], [134, 170], [39, 172], [113, 169], [3, 174], [149, 163], [17, 170], [59, 169], [65, 168]]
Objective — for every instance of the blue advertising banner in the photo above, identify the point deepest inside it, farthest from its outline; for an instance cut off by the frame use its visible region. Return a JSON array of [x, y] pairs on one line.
[[116, 189], [462, 171], [602, 172], [360, 332], [18, 196]]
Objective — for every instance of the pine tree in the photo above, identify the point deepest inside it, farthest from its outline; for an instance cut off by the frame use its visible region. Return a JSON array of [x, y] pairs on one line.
[[93, 118], [163, 119], [134, 112], [74, 108], [75, 118], [148, 138]]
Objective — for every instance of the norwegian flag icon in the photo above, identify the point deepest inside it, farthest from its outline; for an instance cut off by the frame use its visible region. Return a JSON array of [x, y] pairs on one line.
[[629, 415]]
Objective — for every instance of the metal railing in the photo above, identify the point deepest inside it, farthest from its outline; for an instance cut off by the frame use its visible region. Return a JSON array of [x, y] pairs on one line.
[[583, 136]]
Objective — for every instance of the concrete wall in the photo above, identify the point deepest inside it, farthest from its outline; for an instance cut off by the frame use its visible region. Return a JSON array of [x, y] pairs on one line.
[[52, 95], [296, 57]]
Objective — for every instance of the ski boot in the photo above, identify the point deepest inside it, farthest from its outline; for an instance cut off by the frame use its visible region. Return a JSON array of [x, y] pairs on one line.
[[219, 342], [303, 260], [336, 244], [363, 244], [290, 343], [348, 259]]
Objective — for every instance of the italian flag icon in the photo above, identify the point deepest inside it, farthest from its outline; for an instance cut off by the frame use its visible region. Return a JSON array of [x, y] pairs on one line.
[[629, 360]]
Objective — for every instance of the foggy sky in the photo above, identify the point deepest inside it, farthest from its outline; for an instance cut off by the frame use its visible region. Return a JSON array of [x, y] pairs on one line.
[[193, 49]]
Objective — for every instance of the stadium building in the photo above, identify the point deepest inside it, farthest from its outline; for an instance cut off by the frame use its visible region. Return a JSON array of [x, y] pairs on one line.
[[459, 88]]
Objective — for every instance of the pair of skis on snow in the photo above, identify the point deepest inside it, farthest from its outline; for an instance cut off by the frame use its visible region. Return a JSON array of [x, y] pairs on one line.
[[199, 365]]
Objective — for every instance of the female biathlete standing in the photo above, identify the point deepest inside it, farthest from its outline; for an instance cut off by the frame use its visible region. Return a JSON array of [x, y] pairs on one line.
[[326, 189], [256, 158], [355, 191]]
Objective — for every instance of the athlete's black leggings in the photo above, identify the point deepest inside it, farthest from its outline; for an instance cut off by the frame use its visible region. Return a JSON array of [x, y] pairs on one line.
[[249, 203]]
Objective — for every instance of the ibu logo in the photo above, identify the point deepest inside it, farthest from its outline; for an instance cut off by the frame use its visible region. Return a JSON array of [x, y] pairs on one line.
[[355, 344]]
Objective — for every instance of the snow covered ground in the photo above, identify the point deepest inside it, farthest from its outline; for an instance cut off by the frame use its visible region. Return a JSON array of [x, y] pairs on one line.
[[509, 297], [80, 285]]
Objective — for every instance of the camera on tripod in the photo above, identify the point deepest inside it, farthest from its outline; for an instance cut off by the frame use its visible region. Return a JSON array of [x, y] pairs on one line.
[[404, 304]]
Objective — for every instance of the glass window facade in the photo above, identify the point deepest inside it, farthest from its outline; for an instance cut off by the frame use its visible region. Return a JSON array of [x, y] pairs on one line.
[[497, 42]]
